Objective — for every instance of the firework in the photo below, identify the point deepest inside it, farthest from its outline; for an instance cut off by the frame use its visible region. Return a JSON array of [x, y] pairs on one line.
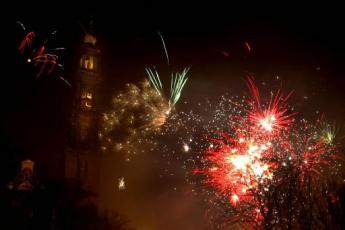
[[267, 159], [36, 54], [248, 47], [27, 42], [327, 132], [186, 148], [137, 113], [165, 48], [271, 116], [121, 183], [140, 112], [178, 81]]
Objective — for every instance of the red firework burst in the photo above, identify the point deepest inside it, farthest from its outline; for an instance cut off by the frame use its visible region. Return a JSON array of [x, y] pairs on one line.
[[262, 143], [238, 166], [270, 117], [27, 42]]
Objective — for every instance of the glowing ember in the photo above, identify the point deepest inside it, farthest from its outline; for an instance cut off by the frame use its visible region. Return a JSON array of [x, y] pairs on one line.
[[234, 199], [121, 184], [185, 148]]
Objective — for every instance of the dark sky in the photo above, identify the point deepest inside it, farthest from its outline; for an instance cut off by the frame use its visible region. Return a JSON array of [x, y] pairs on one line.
[[303, 45]]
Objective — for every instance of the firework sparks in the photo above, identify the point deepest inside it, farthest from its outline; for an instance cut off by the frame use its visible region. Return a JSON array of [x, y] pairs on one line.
[[272, 116], [264, 149], [249, 48], [155, 80], [327, 132], [137, 114], [239, 164], [178, 81], [121, 184], [234, 199], [36, 55], [27, 42], [165, 48], [185, 148]]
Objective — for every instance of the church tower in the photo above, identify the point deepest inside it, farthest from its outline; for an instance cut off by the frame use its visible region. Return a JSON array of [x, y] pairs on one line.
[[82, 158], [86, 101]]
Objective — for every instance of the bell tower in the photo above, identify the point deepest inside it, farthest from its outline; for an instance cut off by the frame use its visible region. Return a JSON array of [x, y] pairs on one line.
[[86, 101], [82, 157]]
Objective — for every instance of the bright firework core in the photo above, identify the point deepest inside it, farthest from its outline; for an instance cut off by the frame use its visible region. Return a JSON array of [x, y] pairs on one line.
[[268, 122], [234, 199]]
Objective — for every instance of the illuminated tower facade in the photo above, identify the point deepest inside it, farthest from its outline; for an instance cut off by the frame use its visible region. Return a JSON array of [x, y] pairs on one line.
[[86, 101], [82, 158]]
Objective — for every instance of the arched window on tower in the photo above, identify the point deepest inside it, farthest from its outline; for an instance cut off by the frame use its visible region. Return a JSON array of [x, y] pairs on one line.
[[87, 62], [86, 99]]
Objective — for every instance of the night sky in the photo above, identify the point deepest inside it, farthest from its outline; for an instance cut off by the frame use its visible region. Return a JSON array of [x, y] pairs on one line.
[[304, 46]]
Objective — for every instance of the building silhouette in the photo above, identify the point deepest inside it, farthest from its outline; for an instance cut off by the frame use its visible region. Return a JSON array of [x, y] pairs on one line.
[[82, 158]]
